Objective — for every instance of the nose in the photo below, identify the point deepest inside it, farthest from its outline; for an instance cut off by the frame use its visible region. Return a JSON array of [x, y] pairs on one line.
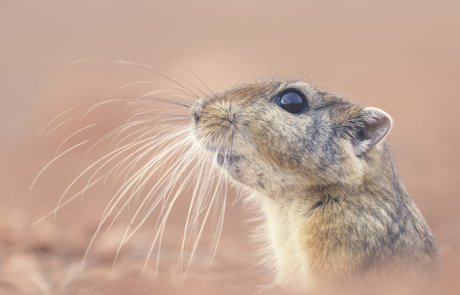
[[196, 113]]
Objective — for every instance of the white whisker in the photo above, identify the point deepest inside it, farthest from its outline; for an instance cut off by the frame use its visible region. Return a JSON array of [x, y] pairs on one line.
[[67, 202], [55, 159], [179, 167], [59, 116], [65, 121], [119, 195], [99, 104], [205, 218], [83, 60], [160, 181], [121, 61], [153, 161], [191, 206], [72, 135]]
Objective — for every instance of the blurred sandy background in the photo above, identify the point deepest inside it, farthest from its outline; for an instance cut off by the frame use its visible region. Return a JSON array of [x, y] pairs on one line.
[[402, 56]]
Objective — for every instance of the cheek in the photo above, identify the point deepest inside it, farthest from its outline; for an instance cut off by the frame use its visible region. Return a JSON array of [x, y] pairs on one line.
[[353, 168], [336, 164], [284, 147], [249, 171], [243, 173]]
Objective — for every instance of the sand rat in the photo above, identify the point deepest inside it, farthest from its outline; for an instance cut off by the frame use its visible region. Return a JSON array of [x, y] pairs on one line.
[[316, 165], [321, 171]]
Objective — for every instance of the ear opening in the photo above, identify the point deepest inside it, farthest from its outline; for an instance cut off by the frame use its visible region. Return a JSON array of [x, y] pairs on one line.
[[369, 127]]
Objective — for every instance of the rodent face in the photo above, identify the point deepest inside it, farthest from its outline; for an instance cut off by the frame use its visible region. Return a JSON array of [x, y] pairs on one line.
[[274, 151]]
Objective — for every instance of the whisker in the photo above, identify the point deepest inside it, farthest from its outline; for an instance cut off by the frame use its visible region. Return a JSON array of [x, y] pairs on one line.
[[72, 135], [198, 180], [99, 104], [149, 113], [165, 90], [110, 155], [201, 201], [179, 168], [55, 159], [78, 61], [113, 132], [205, 218], [148, 95], [158, 158], [201, 80], [121, 150], [112, 206], [221, 218], [193, 94], [139, 157], [150, 164], [160, 232], [191, 84], [59, 116], [61, 124], [66, 202], [139, 83]]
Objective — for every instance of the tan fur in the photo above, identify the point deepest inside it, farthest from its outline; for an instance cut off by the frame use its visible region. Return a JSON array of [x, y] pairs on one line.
[[335, 207]]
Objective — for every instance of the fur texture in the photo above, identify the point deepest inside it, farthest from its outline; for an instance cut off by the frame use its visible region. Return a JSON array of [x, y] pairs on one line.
[[335, 207]]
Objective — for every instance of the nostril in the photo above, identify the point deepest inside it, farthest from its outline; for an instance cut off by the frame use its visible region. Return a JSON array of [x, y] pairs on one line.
[[196, 118], [196, 115], [196, 112]]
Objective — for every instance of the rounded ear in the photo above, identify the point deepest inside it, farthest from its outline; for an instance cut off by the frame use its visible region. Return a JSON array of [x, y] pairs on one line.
[[367, 128]]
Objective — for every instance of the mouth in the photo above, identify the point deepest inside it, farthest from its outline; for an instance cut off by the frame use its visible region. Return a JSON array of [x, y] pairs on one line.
[[225, 158]]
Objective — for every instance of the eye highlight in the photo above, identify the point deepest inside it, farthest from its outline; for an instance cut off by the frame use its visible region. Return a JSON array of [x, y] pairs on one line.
[[292, 101]]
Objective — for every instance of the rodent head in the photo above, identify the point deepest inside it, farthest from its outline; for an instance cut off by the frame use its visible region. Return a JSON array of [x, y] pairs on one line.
[[284, 137]]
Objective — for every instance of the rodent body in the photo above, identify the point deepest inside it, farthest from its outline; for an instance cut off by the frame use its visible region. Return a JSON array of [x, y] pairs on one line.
[[321, 170]]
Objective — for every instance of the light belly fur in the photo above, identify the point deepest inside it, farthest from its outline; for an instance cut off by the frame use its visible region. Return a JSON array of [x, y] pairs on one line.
[[283, 228]]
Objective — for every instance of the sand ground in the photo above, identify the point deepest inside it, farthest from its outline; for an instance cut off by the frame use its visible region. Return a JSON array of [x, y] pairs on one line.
[[402, 56]]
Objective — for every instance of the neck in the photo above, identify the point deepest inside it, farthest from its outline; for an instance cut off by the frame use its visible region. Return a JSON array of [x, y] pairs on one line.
[[337, 231]]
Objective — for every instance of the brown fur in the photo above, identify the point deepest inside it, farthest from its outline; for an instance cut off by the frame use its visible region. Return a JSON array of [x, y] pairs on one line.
[[328, 169]]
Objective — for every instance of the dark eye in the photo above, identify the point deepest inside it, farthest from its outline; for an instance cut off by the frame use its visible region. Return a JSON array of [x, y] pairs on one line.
[[292, 100]]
